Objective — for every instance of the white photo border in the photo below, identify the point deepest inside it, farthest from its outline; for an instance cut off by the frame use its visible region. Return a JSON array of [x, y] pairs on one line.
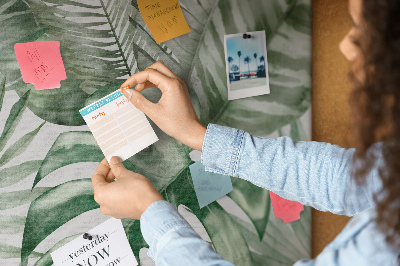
[[247, 92]]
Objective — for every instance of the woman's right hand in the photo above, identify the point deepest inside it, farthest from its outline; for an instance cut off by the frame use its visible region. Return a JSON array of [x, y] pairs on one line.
[[173, 113]]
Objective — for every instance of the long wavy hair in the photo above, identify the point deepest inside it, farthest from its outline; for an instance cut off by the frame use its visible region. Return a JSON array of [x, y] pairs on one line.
[[375, 103]]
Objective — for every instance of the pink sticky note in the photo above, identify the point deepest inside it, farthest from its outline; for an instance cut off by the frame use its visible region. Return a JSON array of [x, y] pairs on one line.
[[41, 63], [288, 211]]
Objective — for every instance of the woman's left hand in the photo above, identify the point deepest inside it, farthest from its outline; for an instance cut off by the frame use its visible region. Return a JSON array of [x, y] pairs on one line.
[[127, 197]]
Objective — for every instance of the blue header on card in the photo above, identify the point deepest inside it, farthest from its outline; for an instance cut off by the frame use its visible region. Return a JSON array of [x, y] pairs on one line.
[[100, 103]]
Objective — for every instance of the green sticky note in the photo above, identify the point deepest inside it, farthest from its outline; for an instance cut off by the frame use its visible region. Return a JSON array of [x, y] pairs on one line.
[[209, 186]]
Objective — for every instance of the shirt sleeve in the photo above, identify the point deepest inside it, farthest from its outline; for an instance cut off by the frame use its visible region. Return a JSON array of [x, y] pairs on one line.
[[312, 173], [172, 240]]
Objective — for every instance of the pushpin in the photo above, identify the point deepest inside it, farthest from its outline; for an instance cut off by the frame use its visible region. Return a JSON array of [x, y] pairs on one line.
[[246, 36], [87, 236]]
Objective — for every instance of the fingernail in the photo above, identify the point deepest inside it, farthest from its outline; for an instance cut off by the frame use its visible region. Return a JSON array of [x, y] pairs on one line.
[[127, 93], [115, 160], [124, 88]]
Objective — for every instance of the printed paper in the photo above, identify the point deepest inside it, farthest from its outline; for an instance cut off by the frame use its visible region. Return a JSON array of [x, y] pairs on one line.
[[246, 64], [164, 18], [209, 186], [288, 211], [118, 126], [109, 246], [41, 63]]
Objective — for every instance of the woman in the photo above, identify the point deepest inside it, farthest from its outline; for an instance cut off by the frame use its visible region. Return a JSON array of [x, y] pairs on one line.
[[317, 174]]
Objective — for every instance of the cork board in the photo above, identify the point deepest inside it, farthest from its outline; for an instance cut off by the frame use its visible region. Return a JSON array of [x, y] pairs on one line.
[[331, 89]]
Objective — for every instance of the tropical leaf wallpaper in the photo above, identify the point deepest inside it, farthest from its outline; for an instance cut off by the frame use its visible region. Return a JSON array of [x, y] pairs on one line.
[[47, 153]]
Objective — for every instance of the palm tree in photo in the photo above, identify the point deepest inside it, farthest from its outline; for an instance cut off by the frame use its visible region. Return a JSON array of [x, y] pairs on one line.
[[247, 60], [255, 58], [239, 54], [230, 60], [262, 59]]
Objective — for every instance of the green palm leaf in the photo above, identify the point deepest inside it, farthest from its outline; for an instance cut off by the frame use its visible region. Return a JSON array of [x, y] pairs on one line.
[[9, 252], [254, 201], [2, 91], [54, 208], [279, 246], [46, 259], [17, 24], [11, 224], [85, 52], [13, 119], [105, 46], [17, 198], [19, 146], [16, 173], [70, 147]]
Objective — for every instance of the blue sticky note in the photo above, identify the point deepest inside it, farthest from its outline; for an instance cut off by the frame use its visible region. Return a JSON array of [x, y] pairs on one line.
[[209, 186]]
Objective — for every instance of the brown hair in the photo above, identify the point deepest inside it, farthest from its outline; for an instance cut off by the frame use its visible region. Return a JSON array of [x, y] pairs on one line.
[[375, 103]]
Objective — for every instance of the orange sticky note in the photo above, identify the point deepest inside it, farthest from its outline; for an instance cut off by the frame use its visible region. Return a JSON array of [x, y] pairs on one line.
[[288, 211], [41, 63], [164, 18]]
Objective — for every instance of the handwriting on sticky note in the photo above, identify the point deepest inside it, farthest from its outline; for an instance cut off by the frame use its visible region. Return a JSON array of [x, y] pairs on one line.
[[209, 186], [41, 63], [164, 18], [284, 209]]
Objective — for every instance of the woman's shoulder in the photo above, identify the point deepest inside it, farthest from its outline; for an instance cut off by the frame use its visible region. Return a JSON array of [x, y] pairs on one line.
[[362, 241]]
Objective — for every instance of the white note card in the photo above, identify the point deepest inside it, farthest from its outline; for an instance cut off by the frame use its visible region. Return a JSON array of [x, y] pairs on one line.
[[118, 126], [108, 247]]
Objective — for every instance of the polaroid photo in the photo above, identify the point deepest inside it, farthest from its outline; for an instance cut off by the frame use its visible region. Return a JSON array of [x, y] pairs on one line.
[[246, 64]]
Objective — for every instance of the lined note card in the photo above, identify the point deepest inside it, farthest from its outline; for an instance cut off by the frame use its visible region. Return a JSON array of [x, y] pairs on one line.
[[118, 126]]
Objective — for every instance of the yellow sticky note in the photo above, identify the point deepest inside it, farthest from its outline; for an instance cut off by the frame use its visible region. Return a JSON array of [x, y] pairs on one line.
[[164, 18]]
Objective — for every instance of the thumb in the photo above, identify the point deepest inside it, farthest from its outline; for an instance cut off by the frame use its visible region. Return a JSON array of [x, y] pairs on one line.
[[99, 176], [117, 167], [138, 100]]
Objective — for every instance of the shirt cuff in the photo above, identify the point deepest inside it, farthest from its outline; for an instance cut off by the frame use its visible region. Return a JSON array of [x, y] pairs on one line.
[[222, 147], [158, 219]]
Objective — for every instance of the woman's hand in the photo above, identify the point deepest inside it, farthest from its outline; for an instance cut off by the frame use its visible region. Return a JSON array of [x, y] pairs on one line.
[[174, 112], [127, 197]]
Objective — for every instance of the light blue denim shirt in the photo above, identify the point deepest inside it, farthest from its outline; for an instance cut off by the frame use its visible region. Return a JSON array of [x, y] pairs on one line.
[[312, 173]]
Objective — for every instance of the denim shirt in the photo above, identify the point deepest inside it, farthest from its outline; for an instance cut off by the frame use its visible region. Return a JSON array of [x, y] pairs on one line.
[[312, 173]]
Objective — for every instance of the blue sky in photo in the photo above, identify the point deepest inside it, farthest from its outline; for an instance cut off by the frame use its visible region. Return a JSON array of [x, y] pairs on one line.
[[248, 47]]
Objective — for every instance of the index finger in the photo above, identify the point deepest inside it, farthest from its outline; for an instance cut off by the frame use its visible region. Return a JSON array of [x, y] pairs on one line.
[[100, 174], [158, 79]]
